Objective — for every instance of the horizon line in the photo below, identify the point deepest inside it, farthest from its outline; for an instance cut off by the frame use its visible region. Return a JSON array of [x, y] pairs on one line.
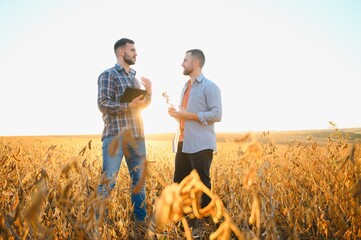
[[164, 133]]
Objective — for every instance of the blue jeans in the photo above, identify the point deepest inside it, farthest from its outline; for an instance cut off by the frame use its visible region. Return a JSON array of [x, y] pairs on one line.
[[111, 166]]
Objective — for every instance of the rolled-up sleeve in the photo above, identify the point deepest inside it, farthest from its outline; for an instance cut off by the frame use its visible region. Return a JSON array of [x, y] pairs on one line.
[[214, 102]]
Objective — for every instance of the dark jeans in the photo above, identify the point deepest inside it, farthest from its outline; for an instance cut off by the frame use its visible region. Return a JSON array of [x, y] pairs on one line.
[[201, 161]]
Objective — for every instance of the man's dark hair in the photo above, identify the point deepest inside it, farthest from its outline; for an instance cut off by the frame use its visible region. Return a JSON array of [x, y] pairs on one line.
[[199, 55], [122, 42]]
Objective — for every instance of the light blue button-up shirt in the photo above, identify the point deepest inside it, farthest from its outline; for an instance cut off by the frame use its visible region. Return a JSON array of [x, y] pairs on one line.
[[205, 100]]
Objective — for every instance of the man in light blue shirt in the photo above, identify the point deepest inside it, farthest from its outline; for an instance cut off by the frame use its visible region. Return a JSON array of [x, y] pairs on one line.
[[200, 107]]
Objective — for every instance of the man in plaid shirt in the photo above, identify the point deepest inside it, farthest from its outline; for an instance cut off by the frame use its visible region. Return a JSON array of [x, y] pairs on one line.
[[119, 117]]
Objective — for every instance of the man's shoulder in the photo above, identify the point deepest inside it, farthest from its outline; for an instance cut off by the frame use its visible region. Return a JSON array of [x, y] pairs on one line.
[[110, 70], [208, 81], [210, 85]]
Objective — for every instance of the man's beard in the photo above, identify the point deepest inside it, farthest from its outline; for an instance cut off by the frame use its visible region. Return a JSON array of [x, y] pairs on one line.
[[128, 60], [186, 72]]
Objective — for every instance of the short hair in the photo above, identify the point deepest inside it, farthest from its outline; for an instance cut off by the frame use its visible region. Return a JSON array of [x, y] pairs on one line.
[[122, 42], [197, 53]]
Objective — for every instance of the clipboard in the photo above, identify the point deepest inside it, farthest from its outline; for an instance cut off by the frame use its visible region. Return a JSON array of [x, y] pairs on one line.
[[130, 93]]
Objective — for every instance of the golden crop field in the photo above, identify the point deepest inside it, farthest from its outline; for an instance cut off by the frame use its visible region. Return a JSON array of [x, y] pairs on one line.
[[264, 186]]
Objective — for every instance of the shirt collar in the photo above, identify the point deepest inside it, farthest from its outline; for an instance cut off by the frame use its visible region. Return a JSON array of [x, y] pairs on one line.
[[121, 68], [199, 78]]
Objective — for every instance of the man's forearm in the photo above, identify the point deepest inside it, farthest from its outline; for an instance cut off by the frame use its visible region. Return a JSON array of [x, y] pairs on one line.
[[191, 116]]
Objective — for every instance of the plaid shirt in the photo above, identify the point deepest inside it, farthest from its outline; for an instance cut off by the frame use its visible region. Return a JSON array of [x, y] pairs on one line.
[[116, 115]]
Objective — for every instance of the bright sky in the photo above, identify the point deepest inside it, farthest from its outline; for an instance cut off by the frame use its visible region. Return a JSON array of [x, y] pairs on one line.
[[281, 65]]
